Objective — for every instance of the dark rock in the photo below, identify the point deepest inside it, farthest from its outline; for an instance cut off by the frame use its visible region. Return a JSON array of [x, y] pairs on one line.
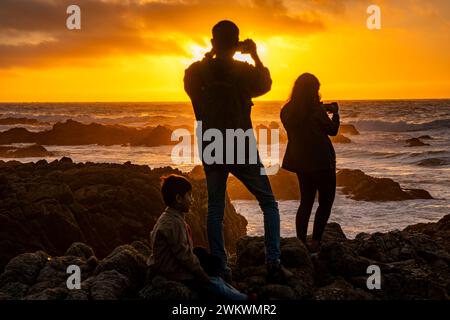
[[24, 268], [342, 260], [27, 121], [161, 289], [414, 264], [294, 253], [438, 232], [49, 206], [79, 249], [127, 261], [142, 248], [340, 138], [348, 128], [341, 290], [25, 152], [415, 142], [276, 292], [72, 132], [433, 162], [250, 271], [250, 252], [360, 186], [333, 232], [110, 285], [14, 290], [49, 294]]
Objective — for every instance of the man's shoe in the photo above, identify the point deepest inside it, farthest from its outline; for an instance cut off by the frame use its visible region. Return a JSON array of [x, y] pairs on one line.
[[276, 273]]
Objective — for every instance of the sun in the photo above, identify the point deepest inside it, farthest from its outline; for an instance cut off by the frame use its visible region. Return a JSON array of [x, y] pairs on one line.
[[198, 53]]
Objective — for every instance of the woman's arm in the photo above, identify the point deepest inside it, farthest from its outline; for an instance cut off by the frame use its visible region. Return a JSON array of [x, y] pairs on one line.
[[329, 126]]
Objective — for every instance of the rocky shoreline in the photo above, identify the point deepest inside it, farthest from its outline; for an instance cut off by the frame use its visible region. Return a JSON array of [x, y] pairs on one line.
[[98, 217], [49, 206], [413, 266]]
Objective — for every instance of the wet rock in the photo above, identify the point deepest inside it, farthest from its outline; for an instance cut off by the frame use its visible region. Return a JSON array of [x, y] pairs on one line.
[[438, 232], [333, 232], [162, 289], [27, 121], [360, 186], [49, 294], [13, 291], [342, 260], [415, 142], [34, 150], [79, 249], [348, 128], [72, 132], [340, 138], [341, 290], [110, 285], [49, 206], [142, 248], [276, 292], [126, 260], [24, 268]]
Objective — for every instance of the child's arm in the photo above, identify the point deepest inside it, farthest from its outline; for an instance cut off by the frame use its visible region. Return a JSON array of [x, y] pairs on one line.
[[179, 243]]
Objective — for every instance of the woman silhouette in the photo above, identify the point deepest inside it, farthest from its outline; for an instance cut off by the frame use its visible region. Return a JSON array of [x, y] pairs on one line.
[[310, 154]]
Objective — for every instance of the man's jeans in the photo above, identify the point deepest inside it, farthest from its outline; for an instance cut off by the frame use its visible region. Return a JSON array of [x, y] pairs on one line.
[[258, 184]]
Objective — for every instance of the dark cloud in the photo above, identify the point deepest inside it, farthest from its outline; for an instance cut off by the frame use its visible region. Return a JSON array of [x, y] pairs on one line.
[[133, 27]]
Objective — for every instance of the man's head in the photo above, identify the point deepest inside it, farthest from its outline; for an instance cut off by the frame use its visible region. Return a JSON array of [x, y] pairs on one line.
[[177, 192], [225, 37]]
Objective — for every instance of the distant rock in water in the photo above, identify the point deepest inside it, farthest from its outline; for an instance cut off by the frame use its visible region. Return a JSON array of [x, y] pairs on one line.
[[27, 121], [356, 183], [414, 265], [348, 128], [76, 133], [360, 186], [48, 206], [433, 162], [25, 152], [340, 138], [415, 142], [425, 137]]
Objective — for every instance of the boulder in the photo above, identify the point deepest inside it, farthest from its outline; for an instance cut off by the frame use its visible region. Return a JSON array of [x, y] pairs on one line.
[[340, 138], [359, 186], [162, 289], [72, 132], [35, 150], [49, 206], [348, 129], [415, 142]]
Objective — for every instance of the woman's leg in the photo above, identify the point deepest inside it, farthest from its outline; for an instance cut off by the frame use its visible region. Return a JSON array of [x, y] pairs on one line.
[[326, 185], [308, 190]]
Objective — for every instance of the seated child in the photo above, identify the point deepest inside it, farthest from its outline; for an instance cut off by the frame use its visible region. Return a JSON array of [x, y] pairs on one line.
[[173, 254]]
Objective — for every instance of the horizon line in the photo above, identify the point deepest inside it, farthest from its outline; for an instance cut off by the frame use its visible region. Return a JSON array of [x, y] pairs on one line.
[[187, 101]]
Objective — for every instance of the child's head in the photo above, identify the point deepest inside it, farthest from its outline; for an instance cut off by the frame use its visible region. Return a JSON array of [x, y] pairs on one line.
[[177, 192]]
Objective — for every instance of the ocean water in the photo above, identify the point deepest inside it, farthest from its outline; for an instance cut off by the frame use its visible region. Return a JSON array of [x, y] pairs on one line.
[[379, 151]]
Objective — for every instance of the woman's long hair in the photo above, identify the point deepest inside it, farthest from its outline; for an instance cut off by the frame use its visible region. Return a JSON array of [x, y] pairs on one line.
[[305, 95]]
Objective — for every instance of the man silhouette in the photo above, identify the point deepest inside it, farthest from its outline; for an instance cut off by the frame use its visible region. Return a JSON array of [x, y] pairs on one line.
[[221, 91]]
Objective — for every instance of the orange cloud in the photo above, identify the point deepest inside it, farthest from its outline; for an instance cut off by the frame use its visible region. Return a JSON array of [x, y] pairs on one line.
[[129, 27]]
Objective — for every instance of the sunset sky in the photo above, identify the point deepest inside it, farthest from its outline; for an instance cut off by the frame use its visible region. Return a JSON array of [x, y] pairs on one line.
[[137, 50]]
